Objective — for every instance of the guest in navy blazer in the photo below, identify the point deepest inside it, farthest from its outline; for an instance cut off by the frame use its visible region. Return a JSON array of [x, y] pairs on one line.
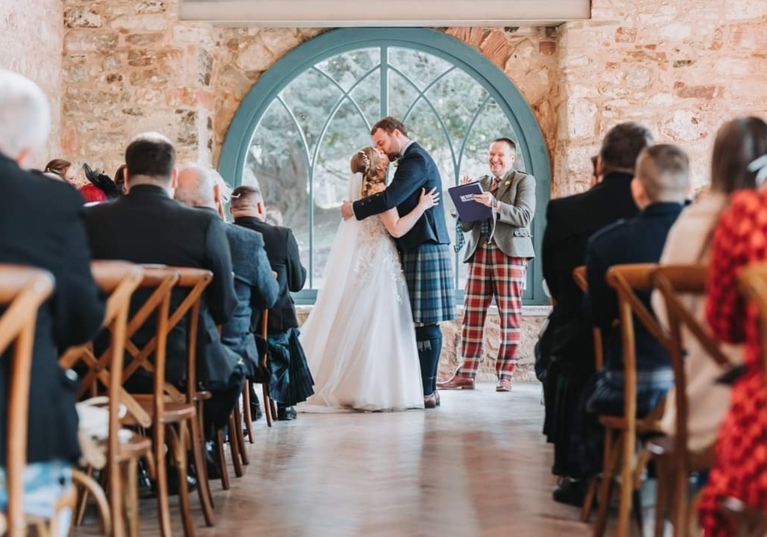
[[659, 190]]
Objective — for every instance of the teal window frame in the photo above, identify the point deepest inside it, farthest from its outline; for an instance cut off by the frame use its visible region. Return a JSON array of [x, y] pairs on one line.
[[304, 57]]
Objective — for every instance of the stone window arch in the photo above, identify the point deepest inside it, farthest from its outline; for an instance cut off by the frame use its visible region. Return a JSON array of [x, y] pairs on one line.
[[295, 131]]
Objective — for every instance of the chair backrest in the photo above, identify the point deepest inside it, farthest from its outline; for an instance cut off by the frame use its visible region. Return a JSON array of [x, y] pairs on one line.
[[673, 282], [22, 291], [626, 280], [195, 281], [119, 280], [579, 275]]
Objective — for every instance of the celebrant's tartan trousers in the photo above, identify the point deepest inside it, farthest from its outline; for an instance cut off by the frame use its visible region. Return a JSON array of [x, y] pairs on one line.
[[492, 274]]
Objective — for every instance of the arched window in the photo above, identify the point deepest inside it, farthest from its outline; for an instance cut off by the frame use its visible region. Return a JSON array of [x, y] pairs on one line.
[[297, 129]]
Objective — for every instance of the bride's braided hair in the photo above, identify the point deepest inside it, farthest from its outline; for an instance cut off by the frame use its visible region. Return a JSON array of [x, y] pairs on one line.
[[366, 162]]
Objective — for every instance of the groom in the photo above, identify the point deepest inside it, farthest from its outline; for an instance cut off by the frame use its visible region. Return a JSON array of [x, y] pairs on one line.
[[426, 258]]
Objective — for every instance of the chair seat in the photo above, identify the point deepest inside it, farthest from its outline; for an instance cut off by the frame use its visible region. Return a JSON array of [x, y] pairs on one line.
[[618, 423], [134, 447], [663, 446], [174, 412]]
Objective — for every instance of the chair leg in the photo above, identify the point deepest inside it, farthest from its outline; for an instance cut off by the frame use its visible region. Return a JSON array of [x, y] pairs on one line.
[[222, 461], [661, 496], [611, 453], [636, 495], [131, 497], [178, 441], [246, 411], [681, 510], [201, 470], [240, 436], [588, 501], [163, 505], [268, 406], [82, 501], [234, 447], [627, 448]]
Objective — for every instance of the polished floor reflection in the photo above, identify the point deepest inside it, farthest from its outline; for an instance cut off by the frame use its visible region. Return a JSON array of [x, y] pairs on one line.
[[476, 466]]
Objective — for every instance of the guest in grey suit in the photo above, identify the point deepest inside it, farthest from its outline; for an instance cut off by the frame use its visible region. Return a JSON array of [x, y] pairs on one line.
[[254, 282], [497, 252]]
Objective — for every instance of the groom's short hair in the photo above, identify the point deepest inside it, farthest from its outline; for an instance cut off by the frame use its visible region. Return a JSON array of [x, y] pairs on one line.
[[245, 196], [389, 124]]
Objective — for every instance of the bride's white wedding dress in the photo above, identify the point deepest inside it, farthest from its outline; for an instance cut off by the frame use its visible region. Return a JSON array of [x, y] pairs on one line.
[[359, 338]]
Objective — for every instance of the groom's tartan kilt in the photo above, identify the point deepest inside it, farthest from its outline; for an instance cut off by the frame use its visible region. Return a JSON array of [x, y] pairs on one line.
[[429, 276]]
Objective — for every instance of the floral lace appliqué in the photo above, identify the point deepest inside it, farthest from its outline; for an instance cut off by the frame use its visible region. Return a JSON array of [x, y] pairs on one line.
[[372, 239]]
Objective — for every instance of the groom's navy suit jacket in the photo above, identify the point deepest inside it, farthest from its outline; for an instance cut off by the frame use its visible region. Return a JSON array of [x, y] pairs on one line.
[[415, 170]]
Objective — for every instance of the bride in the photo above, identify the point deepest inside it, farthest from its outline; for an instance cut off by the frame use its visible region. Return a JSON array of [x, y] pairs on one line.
[[359, 338]]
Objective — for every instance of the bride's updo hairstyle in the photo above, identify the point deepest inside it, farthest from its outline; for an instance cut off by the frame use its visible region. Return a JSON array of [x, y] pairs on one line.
[[366, 161]]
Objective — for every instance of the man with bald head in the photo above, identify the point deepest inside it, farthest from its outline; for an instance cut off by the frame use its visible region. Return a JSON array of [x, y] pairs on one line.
[[256, 286], [56, 243]]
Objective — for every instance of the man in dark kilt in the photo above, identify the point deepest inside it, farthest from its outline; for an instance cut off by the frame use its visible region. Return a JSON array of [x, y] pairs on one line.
[[424, 250]]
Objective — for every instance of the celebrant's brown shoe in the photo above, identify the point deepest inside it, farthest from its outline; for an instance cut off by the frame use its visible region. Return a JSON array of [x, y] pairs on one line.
[[504, 385], [457, 383]]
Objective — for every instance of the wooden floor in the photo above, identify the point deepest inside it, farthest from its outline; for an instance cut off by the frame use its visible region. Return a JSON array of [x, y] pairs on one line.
[[477, 466]]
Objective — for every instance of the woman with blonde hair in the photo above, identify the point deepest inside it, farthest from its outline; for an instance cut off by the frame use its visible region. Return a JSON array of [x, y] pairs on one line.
[[359, 338]]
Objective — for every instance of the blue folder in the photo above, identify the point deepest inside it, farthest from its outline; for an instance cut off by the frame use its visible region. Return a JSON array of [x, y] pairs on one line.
[[463, 199]]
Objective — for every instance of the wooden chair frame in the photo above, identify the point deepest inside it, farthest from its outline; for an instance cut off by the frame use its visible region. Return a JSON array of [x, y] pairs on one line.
[[23, 290], [674, 465], [269, 409], [621, 431], [119, 280]]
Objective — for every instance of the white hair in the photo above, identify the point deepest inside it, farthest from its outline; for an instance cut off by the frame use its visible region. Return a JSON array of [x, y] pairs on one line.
[[25, 115], [201, 193]]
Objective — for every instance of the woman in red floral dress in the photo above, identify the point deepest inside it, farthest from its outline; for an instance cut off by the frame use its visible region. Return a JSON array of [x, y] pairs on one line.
[[740, 239]]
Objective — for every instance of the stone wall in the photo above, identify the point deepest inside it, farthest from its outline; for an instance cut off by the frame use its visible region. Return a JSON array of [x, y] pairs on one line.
[[682, 69], [131, 67], [31, 34]]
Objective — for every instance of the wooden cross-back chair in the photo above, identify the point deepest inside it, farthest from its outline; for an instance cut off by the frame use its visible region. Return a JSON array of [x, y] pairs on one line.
[[579, 275], [621, 431], [122, 450], [168, 406], [748, 521], [269, 408], [22, 291], [674, 461]]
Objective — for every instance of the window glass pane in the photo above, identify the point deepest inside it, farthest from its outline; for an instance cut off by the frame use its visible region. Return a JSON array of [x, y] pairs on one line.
[[346, 133], [278, 165], [420, 67], [349, 67], [311, 97], [367, 95], [426, 128], [402, 94]]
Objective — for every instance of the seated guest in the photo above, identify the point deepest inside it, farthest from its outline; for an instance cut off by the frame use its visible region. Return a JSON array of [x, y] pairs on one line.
[[662, 177], [253, 279], [62, 168], [738, 143], [57, 243], [740, 470], [247, 208], [566, 346], [148, 226]]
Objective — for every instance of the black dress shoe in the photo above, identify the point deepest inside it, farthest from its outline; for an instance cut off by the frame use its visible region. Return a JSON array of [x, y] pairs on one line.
[[211, 460], [571, 491], [286, 413]]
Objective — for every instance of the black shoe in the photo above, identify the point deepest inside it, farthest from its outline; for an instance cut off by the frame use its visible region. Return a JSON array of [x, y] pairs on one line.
[[211, 460], [286, 413], [173, 482], [571, 491]]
